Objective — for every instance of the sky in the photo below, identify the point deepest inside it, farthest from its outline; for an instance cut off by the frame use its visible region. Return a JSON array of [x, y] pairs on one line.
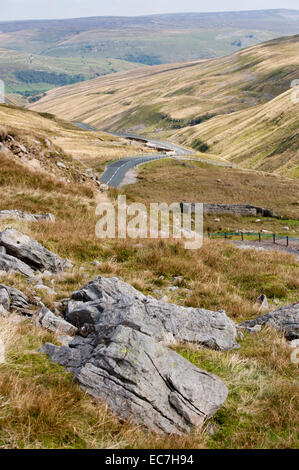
[[44, 9]]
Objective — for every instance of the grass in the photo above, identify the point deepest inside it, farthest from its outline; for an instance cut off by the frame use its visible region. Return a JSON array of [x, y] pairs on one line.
[[191, 181], [89, 149], [40, 404]]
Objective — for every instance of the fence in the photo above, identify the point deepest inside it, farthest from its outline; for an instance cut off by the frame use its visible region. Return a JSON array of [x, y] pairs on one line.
[[260, 236]]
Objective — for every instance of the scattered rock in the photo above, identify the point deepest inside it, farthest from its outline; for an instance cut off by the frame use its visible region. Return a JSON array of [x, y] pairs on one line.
[[254, 329], [3, 311], [60, 164], [19, 215], [286, 228], [294, 344], [141, 380], [217, 220], [285, 319], [158, 291], [263, 301], [4, 298], [173, 288], [10, 263], [46, 289], [14, 300], [30, 252], [51, 322]]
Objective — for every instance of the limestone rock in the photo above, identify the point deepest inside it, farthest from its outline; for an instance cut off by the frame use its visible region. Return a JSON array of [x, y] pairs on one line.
[[141, 380], [4, 298], [10, 263], [111, 302], [19, 215], [29, 251], [18, 300], [285, 319], [51, 322]]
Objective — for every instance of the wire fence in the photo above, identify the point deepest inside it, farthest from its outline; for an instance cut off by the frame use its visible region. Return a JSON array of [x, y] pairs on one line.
[[259, 236]]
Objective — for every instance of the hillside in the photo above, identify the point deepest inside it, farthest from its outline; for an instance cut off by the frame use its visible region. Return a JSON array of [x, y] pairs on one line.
[[39, 55], [263, 138], [201, 101], [42, 406], [47, 135]]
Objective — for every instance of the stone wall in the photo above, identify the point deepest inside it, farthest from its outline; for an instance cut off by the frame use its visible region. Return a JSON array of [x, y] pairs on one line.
[[233, 209]]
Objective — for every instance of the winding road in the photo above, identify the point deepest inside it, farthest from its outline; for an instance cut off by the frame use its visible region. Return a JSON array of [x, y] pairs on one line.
[[115, 172]]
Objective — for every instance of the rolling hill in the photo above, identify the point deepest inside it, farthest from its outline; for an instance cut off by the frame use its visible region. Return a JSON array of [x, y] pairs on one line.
[[53, 139], [238, 107], [39, 55]]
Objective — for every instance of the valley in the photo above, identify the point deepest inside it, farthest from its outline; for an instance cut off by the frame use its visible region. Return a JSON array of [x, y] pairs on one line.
[[137, 342], [36, 56]]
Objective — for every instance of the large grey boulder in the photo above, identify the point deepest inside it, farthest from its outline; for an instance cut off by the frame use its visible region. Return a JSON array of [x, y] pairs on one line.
[[11, 263], [19, 215], [51, 322], [111, 302], [31, 252], [106, 289], [285, 319], [141, 380]]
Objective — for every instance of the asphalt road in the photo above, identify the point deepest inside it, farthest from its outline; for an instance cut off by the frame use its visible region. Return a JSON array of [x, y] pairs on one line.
[[116, 171]]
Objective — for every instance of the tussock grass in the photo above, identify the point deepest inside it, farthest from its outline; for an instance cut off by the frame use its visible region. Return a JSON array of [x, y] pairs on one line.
[[40, 404], [175, 181]]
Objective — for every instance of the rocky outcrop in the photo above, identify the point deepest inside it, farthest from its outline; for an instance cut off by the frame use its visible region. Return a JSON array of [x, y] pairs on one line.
[[10, 263], [111, 302], [12, 299], [141, 380], [285, 319], [121, 356], [51, 322], [19, 215], [25, 255]]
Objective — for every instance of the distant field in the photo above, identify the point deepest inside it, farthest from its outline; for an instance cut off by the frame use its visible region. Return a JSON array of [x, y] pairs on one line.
[[32, 74], [84, 48]]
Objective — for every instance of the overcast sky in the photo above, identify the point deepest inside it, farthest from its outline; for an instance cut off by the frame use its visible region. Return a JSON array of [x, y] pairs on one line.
[[32, 9]]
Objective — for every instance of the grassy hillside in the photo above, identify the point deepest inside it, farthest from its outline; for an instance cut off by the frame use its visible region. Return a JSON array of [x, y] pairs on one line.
[[41, 406], [226, 104], [85, 48], [264, 137], [89, 149]]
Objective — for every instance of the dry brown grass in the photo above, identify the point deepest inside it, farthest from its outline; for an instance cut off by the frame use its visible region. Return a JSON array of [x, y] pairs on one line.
[[174, 181], [89, 148], [41, 406]]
